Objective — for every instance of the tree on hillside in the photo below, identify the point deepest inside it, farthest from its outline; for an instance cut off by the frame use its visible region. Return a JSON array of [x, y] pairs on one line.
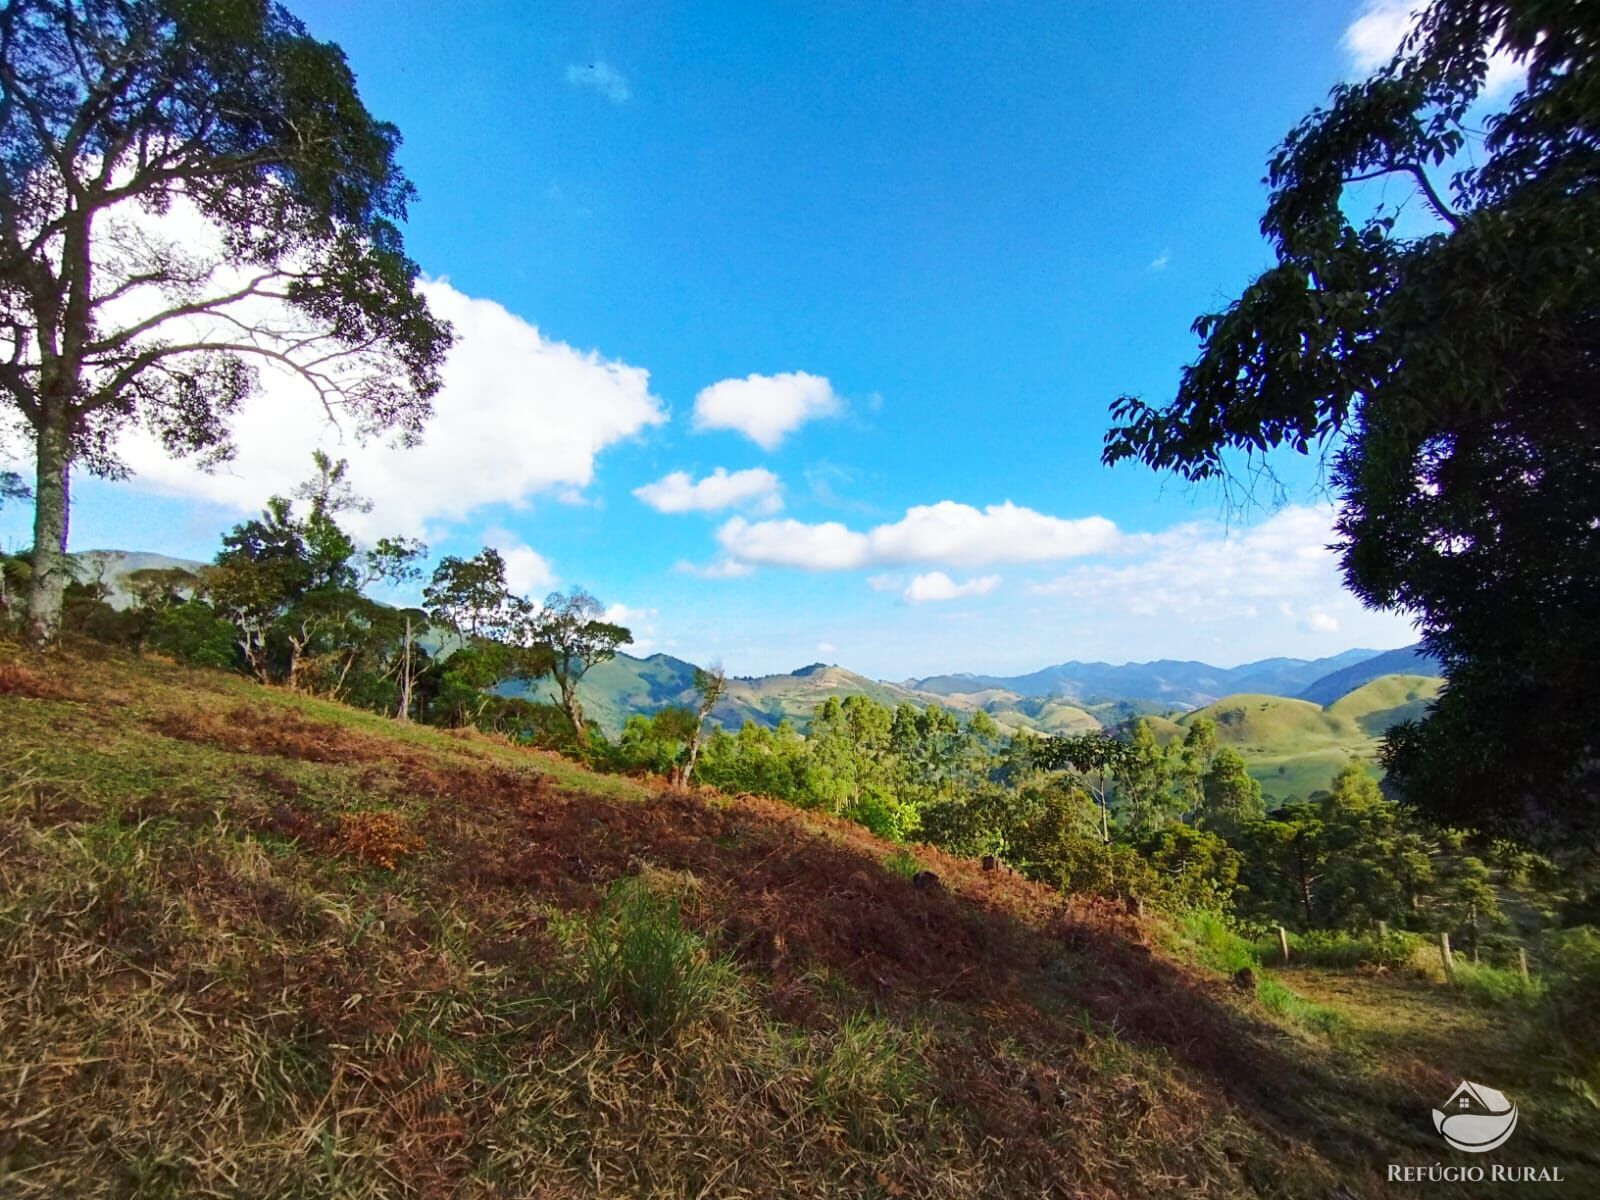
[[470, 595], [571, 631], [710, 684], [1097, 757], [189, 191], [1230, 797], [1450, 378]]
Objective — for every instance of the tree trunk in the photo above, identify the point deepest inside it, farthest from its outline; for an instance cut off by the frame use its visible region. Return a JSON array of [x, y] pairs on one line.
[[53, 451], [405, 677]]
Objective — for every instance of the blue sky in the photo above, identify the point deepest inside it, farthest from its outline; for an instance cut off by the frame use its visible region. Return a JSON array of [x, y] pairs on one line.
[[884, 266]]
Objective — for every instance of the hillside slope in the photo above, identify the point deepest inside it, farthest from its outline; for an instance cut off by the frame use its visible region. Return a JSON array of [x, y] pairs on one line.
[[1295, 747], [1409, 660], [217, 983]]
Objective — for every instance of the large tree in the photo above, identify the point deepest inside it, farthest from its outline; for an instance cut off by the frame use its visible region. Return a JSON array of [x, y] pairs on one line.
[[1448, 367], [190, 190]]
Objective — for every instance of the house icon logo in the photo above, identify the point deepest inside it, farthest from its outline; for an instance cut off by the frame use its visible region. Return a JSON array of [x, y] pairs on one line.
[[1476, 1118]]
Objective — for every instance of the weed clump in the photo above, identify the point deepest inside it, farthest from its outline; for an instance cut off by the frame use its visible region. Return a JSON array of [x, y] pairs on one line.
[[646, 969]]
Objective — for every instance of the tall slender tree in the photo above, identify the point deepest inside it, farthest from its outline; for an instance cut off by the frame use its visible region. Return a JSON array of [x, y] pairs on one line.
[[191, 190]]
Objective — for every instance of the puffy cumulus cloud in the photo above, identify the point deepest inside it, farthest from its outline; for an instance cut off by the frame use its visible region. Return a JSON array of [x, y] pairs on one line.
[[946, 533], [765, 408], [679, 492], [1371, 40], [601, 77], [936, 585], [528, 573], [519, 414]]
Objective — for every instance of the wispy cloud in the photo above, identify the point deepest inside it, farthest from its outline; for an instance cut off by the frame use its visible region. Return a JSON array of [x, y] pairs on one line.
[[1160, 261], [602, 77]]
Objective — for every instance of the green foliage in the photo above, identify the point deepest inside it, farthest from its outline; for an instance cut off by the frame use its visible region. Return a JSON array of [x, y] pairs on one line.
[[1496, 987], [645, 969], [1569, 1022], [1345, 949], [1229, 797], [1450, 378], [1211, 938], [192, 633], [262, 134]]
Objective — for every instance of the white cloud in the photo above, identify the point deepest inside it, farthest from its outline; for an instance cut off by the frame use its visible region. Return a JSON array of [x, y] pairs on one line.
[[936, 585], [725, 568], [826, 648], [1372, 38], [641, 622], [527, 571], [679, 493], [601, 77], [946, 533], [765, 408], [1160, 261], [1200, 572], [1317, 621], [519, 415]]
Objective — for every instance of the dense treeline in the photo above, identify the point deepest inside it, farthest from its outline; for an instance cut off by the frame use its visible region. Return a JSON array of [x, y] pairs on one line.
[[1115, 811], [286, 602]]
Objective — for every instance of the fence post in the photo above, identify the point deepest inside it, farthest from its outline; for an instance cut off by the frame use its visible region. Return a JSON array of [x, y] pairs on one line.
[[1283, 942], [1522, 963], [1449, 959], [1383, 931]]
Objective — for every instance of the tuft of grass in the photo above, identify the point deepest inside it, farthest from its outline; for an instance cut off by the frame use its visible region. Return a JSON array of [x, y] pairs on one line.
[[872, 1075], [1283, 1001], [1209, 938], [648, 970], [903, 863]]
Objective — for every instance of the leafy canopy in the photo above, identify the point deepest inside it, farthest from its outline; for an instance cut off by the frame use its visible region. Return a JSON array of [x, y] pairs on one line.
[[1450, 380]]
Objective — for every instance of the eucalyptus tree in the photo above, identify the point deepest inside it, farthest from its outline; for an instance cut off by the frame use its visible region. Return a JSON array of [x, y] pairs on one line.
[[191, 192]]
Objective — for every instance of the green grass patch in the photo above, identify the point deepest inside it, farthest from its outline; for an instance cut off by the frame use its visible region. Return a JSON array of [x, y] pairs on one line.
[[1283, 1001], [643, 967]]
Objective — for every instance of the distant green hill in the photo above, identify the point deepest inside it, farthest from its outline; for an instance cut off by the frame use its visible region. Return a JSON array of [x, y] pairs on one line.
[[1409, 660], [1294, 747]]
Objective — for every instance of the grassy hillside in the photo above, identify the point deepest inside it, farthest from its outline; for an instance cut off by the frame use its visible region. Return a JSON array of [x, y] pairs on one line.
[[1292, 747], [1409, 660], [262, 945]]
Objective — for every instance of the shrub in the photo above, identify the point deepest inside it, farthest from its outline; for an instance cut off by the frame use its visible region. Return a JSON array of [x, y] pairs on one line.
[[1211, 939], [1494, 986], [378, 838], [644, 967], [1568, 1020], [1344, 949]]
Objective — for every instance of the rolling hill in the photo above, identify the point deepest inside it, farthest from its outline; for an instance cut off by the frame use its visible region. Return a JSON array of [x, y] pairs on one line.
[[1294, 747], [1409, 660]]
